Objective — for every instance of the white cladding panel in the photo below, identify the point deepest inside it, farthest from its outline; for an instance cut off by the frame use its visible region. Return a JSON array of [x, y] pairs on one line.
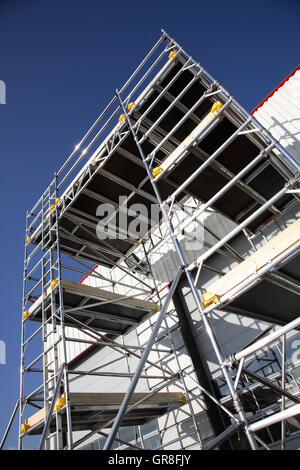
[[280, 115]]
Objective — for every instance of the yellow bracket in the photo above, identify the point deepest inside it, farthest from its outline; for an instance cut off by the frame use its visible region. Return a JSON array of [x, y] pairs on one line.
[[131, 105], [28, 239], [54, 284], [209, 299], [156, 308], [25, 314], [57, 201], [60, 402], [122, 117], [25, 427], [172, 54], [183, 399], [156, 171], [216, 107]]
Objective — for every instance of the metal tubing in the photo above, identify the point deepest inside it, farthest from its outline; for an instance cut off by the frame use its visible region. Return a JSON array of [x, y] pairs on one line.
[[141, 364], [275, 418], [114, 345], [215, 400], [242, 225], [270, 385], [222, 437], [115, 374], [171, 105], [283, 385], [269, 339], [225, 188], [160, 95], [212, 124], [46, 426], [208, 161], [9, 425]]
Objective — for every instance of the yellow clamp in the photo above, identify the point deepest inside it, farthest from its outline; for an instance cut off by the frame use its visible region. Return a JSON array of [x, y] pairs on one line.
[[60, 402], [216, 107], [131, 105], [25, 427], [122, 117], [25, 314], [54, 283], [183, 399], [28, 239], [156, 171], [209, 298], [156, 308], [57, 201], [172, 53]]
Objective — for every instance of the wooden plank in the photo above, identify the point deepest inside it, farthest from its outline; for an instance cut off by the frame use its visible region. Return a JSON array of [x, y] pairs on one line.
[[37, 417], [276, 246]]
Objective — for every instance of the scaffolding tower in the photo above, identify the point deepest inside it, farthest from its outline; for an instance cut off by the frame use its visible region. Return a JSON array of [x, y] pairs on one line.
[[171, 133]]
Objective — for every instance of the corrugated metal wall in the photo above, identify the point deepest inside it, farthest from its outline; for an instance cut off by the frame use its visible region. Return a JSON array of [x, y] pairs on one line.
[[280, 115]]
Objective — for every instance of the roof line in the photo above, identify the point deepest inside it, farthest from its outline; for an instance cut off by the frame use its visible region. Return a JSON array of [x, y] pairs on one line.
[[90, 272], [275, 89]]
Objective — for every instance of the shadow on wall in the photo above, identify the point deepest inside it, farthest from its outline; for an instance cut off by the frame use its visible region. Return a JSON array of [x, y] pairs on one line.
[[165, 261], [289, 140]]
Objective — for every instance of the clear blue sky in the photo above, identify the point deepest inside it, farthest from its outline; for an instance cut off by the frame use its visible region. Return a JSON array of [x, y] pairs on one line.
[[62, 61]]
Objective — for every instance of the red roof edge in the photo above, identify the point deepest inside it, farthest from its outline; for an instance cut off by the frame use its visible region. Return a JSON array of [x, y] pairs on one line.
[[275, 89], [93, 269]]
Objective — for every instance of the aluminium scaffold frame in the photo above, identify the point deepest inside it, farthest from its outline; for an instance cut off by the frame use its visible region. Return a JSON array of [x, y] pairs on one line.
[[48, 233]]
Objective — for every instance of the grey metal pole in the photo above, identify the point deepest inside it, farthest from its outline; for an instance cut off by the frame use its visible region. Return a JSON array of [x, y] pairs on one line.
[[63, 338], [283, 373], [9, 424], [22, 352], [141, 364], [275, 418], [222, 437], [265, 341]]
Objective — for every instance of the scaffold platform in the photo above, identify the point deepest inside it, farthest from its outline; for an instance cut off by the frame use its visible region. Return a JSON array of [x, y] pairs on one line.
[[92, 409], [102, 310]]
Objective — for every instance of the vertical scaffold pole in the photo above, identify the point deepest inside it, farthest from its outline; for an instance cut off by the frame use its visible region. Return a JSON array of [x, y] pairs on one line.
[[227, 376], [62, 325], [22, 363]]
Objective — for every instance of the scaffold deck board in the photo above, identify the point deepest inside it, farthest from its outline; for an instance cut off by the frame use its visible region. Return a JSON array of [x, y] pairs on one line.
[[283, 304], [90, 409], [116, 314]]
